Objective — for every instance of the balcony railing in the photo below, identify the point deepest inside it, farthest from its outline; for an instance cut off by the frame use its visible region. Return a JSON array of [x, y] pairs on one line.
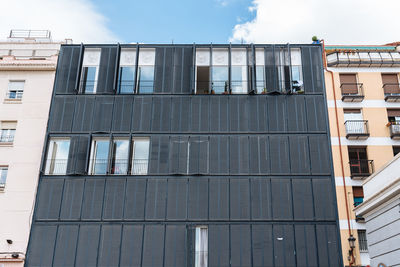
[[392, 92], [352, 92], [88, 86], [395, 130], [14, 94], [145, 86], [361, 168], [6, 138], [140, 166], [126, 86], [357, 129], [56, 166], [98, 166]]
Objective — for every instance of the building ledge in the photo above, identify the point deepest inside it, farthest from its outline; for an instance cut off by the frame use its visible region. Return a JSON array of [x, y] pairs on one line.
[[6, 144], [12, 101]]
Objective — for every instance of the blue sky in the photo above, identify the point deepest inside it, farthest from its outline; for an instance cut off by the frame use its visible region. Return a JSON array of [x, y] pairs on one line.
[[184, 21]]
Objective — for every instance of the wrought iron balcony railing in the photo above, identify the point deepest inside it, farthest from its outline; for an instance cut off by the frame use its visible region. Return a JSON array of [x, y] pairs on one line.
[[357, 129], [145, 86], [361, 168], [395, 130], [140, 166], [126, 86], [56, 166], [352, 92], [392, 92], [6, 138], [119, 166]]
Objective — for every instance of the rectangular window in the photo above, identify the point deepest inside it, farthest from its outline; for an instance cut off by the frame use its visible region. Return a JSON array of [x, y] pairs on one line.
[[127, 71], [220, 71], [120, 156], [57, 156], [358, 195], [15, 90], [145, 79], [140, 157], [99, 156], [260, 72], [203, 71], [391, 84], [362, 240], [3, 177], [348, 83], [7, 131], [201, 246], [290, 69], [239, 71], [90, 70], [297, 72]]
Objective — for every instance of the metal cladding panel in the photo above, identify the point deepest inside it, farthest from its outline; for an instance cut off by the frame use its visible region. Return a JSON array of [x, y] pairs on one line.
[[261, 199], [108, 60], [42, 240], [328, 247], [49, 199], [306, 249], [303, 204], [165, 114], [131, 245], [114, 196], [218, 246], [88, 245], [324, 199], [83, 115], [253, 119], [62, 112], [279, 154], [281, 199], [219, 154], [65, 250], [156, 197], [262, 243], [159, 70], [240, 243], [284, 249], [103, 109], [318, 76], [135, 199], [319, 154], [316, 117], [239, 199], [141, 118], [153, 245], [198, 198], [175, 246], [122, 114], [93, 199], [271, 69], [78, 154], [109, 247], [72, 199], [219, 199], [277, 114], [296, 105], [67, 70], [299, 154], [177, 199]]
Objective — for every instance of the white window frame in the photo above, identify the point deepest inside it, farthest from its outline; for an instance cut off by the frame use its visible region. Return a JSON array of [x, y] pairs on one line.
[[50, 159], [9, 134], [93, 150], [94, 62], [3, 184], [134, 140], [17, 91]]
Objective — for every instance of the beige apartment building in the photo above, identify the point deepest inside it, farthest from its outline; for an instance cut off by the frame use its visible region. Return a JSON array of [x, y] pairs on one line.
[[363, 93], [27, 67]]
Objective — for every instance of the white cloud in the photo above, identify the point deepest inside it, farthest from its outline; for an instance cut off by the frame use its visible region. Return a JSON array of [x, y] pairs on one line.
[[75, 19], [338, 22]]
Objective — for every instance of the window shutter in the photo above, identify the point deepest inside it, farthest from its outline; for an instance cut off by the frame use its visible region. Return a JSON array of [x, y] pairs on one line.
[[358, 191], [106, 78], [348, 83], [78, 153], [67, 70], [191, 240]]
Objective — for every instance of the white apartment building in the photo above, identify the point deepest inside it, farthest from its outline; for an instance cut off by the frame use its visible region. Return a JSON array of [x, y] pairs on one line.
[[27, 67]]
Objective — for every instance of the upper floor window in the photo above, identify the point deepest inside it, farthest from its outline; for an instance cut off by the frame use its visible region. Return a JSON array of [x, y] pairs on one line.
[[120, 156], [57, 156], [290, 70], [140, 157], [3, 177], [201, 246], [7, 131], [90, 70], [391, 84], [15, 90], [297, 73], [220, 71], [145, 78], [99, 156], [127, 71], [362, 240], [239, 71], [260, 72]]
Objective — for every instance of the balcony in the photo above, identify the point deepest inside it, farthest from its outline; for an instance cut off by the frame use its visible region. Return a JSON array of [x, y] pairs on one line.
[[6, 139], [361, 168], [56, 166], [392, 92], [395, 130], [357, 130], [352, 92], [140, 166]]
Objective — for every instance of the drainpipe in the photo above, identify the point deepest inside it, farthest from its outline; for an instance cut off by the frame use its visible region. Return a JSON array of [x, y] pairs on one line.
[[340, 148]]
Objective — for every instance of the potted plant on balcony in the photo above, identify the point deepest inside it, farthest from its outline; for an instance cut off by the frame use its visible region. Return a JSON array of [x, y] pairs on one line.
[[264, 91]]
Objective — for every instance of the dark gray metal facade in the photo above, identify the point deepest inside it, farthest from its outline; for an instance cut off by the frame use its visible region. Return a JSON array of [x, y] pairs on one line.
[[259, 172]]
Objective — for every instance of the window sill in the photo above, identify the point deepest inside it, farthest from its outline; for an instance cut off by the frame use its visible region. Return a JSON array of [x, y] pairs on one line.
[[12, 101], [6, 144]]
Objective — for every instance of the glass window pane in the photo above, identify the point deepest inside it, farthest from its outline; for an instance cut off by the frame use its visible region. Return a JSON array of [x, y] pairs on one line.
[[126, 80], [3, 176], [146, 79], [57, 157], [140, 157], [220, 79], [119, 162], [201, 247], [89, 79], [239, 79], [260, 76], [99, 162]]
